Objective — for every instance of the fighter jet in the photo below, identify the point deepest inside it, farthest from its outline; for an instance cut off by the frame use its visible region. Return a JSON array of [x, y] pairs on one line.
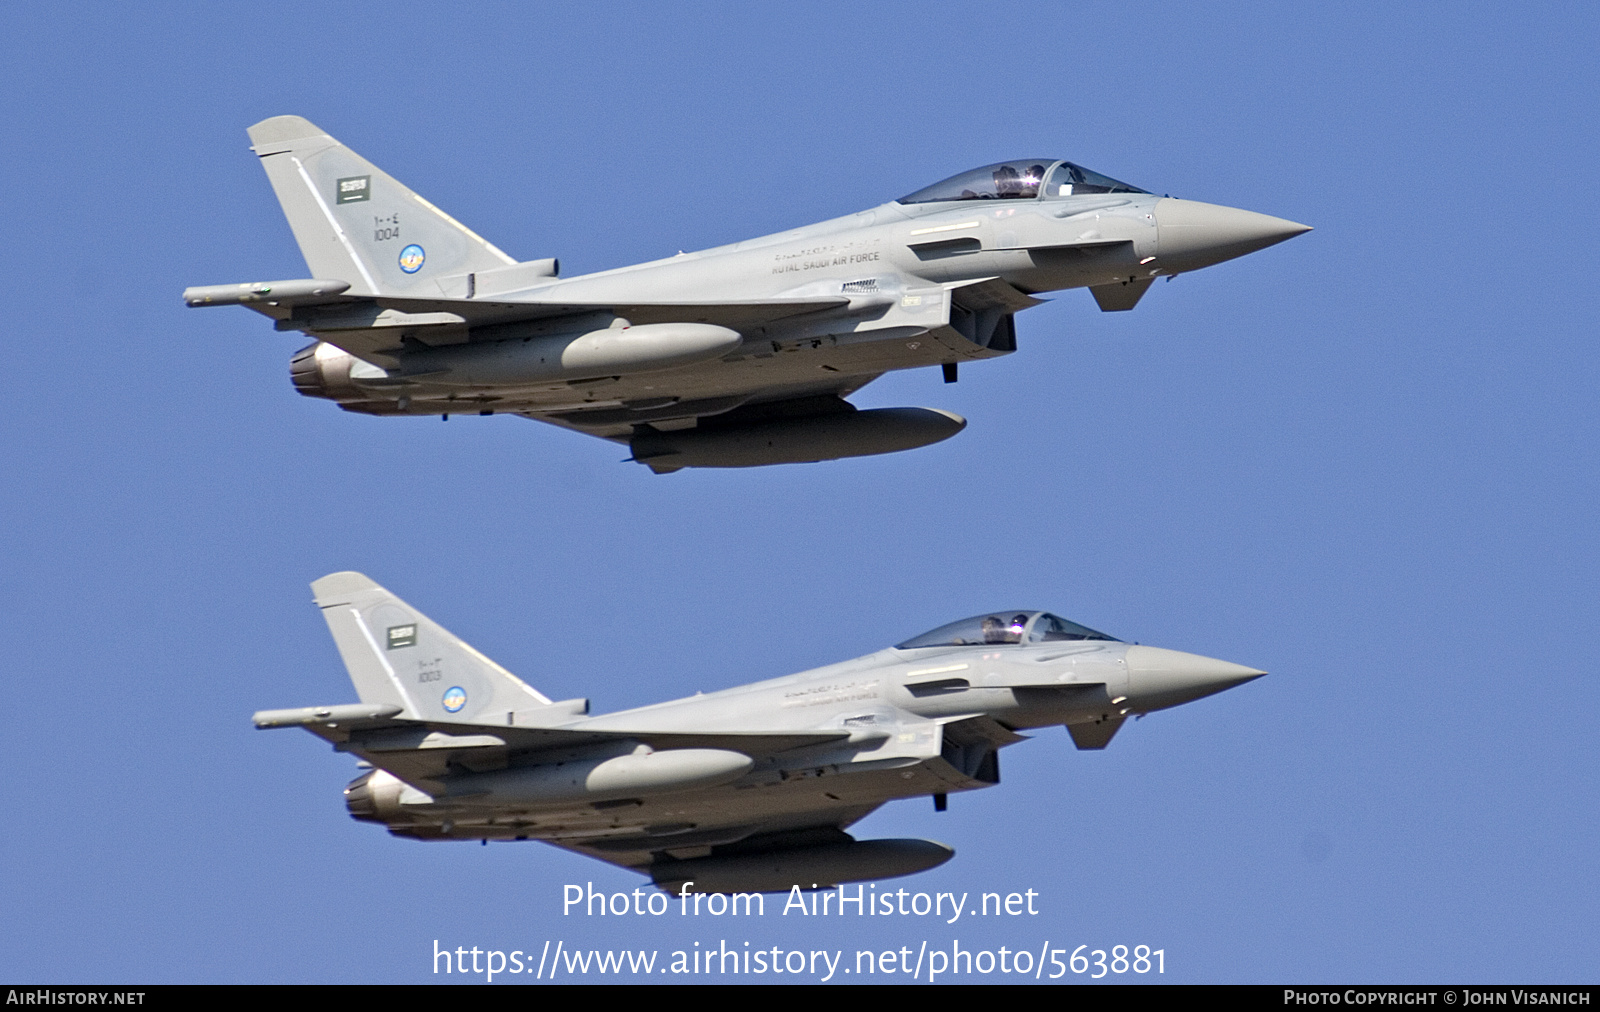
[[736, 356], [749, 789]]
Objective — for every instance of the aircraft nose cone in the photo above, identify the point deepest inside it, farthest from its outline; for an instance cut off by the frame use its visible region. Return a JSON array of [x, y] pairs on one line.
[[1191, 235], [1160, 678]]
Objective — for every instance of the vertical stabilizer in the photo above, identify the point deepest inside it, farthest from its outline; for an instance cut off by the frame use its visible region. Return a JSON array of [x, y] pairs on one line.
[[396, 655], [356, 223]]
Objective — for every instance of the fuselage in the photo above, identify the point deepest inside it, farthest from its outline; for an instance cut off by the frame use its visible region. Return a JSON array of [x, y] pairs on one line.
[[900, 276], [741, 355], [922, 718]]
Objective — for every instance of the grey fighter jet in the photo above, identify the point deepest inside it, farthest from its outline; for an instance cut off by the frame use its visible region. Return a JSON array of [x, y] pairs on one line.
[[736, 356], [748, 789]]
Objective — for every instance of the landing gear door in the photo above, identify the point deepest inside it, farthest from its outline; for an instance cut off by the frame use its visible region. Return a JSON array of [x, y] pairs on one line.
[[981, 312]]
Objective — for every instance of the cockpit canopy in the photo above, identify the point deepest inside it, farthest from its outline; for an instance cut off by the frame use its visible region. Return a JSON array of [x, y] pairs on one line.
[[1023, 179], [1001, 627]]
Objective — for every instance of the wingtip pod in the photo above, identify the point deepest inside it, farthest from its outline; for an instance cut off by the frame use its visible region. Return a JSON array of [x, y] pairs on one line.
[[299, 290], [331, 716]]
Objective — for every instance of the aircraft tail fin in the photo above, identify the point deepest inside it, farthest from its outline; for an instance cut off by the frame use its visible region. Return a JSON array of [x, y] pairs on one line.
[[398, 656], [356, 223]]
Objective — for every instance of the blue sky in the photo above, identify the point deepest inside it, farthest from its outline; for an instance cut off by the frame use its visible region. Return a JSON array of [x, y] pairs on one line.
[[1364, 461]]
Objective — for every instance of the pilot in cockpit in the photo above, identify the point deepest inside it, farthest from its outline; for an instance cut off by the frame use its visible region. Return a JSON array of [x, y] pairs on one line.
[[1019, 180], [994, 631], [1009, 184], [997, 630]]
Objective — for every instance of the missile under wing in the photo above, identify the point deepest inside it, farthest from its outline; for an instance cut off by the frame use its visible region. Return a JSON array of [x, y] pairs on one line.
[[737, 356], [749, 789]]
